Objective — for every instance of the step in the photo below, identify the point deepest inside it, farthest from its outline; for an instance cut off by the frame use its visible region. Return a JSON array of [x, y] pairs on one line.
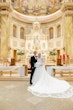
[[14, 78]]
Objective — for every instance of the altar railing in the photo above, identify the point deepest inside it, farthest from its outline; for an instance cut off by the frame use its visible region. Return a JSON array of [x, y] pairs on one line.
[[62, 70], [20, 70]]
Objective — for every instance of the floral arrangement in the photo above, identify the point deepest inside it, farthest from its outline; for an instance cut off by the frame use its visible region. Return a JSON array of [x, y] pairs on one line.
[[52, 52], [20, 53]]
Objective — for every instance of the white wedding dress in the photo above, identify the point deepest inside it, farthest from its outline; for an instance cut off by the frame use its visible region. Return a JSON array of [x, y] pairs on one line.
[[45, 85]]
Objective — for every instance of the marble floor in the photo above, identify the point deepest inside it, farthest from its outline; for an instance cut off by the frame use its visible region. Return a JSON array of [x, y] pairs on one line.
[[14, 96]]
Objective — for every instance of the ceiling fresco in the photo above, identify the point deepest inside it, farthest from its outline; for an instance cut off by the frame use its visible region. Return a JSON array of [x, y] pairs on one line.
[[36, 7]]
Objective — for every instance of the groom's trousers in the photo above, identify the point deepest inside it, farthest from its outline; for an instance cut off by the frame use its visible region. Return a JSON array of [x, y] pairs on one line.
[[32, 72]]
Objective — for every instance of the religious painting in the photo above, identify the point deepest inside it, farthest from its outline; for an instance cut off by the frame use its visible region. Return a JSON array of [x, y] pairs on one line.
[[36, 7]]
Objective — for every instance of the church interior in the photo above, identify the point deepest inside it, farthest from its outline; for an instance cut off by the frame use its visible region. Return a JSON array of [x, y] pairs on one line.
[[44, 26]]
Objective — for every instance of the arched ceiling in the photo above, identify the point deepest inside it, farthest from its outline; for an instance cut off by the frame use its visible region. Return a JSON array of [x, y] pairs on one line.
[[36, 7]]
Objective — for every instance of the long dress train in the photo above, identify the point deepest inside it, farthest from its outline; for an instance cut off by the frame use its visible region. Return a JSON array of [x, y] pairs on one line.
[[45, 85]]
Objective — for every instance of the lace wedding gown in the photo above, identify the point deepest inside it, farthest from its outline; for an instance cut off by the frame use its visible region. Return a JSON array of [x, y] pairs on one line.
[[45, 85]]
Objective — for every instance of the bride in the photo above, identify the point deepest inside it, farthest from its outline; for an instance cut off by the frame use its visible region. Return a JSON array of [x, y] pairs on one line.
[[45, 85]]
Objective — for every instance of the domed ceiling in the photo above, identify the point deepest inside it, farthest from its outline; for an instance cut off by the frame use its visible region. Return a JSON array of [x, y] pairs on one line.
[[36, 7]]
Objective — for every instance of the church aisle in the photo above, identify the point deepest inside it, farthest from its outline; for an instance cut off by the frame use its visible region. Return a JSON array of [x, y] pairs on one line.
[[14, 96]]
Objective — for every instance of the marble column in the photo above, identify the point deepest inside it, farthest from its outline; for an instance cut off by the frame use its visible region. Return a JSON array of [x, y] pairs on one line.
[[5, 34], [68, 35], [0, 36]]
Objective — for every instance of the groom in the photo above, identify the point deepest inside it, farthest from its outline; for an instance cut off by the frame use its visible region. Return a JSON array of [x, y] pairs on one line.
[[33, 60]]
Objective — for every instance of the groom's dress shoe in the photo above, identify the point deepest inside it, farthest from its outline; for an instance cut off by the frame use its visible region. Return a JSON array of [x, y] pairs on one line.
[[31, 83]]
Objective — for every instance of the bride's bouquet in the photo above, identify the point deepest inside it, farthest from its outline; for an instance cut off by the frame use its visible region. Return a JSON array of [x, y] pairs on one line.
[[38, 64]]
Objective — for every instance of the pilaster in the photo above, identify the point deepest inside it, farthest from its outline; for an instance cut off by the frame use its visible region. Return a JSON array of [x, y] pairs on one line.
[[67, 9], [5, 30]]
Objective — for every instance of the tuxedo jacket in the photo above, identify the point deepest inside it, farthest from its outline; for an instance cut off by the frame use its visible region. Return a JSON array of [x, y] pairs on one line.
[[33, 60]]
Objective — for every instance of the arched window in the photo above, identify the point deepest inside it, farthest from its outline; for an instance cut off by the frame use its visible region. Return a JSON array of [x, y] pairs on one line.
[[22, 33], [4, 0], [51, 33], [14, 30], [58, 31], [60, 0]]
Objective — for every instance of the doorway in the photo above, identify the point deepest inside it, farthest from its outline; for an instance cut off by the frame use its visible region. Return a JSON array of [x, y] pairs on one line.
[[58, 58], [15, 54]]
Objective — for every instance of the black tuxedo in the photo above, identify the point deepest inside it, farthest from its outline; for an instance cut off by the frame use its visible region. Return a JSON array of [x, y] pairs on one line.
[[33, 60]]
